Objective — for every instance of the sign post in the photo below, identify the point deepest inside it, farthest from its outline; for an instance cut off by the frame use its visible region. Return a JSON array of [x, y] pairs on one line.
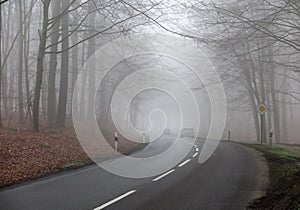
[[116, 141], [262, 110]]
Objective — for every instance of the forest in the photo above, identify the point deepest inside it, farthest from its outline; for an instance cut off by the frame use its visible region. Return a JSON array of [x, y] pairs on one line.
[[253, 44], [47, 47]]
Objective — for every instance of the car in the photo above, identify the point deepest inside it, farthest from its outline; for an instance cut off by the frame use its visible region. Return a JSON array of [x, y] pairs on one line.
[[167, 131], [187, 132]]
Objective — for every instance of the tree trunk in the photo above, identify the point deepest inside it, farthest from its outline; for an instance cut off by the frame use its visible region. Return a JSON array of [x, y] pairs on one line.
[[91, 52], [274, 102], [40, 65], [1, 124], [284, 112], [6, 65], [275, 110], [20, 63], [26, 66], [51, 102], [255, 116], [269, 105], [63, 90], [74, 96], [83, 81]]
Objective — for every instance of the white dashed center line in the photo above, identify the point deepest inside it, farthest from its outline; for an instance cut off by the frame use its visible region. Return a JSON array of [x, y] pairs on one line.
[[154, 180], [115, 200], [185, 162], [162, 176]]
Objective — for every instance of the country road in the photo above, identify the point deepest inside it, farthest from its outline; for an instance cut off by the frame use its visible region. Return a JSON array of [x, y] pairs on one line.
[[94, 92], [231, 177]]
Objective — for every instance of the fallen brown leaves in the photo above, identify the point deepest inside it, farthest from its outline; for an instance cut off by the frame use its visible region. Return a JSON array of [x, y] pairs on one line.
[[27, 155]]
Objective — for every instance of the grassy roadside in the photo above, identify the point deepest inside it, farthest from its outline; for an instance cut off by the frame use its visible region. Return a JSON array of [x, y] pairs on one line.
[[284, 171]]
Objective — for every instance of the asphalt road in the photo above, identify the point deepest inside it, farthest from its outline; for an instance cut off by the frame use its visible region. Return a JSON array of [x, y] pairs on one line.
[[228, 180]]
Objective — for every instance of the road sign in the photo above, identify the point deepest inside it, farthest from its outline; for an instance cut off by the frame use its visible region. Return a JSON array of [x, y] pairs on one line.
[[261, 109]]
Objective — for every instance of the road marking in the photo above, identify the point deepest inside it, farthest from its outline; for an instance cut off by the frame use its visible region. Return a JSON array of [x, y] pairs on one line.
[[195, 145], [162, 176], [197, 149], [185, 162], [115, 200], [195, 154]]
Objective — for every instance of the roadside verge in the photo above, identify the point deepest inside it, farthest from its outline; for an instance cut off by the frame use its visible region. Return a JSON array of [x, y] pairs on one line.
[[284, 175], [26, 155]]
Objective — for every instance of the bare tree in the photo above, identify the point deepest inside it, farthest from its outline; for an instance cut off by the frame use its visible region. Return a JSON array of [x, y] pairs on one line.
[[1, 124], [51, 99], [21, 62], [63, 91], [40, 65]]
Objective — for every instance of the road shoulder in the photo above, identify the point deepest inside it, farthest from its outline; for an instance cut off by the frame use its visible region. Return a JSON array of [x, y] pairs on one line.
[[262, 173], [284, 172]]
